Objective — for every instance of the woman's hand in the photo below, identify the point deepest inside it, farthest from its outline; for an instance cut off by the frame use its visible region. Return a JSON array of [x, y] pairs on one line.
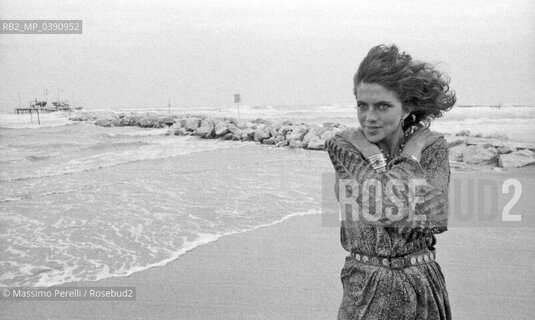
[[418, 141], [358, 139]]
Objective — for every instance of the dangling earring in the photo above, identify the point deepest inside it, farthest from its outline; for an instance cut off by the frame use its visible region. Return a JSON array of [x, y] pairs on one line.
[[413, 118], [408, 131]]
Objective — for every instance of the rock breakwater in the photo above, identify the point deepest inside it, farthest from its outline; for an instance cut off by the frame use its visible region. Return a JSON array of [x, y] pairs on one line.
[[473, 150]]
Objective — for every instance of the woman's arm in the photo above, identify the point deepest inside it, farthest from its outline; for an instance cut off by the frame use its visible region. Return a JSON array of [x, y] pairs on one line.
[[403, 174]]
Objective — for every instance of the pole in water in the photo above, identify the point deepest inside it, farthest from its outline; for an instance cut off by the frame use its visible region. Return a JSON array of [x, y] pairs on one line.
[[237, 100], [38, 120]]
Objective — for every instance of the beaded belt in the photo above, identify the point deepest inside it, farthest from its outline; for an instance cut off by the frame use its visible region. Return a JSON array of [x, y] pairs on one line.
[[413, 259]]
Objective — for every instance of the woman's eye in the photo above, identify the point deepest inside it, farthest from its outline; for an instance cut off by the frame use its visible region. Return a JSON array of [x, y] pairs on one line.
[[384, 106], [361, 106]]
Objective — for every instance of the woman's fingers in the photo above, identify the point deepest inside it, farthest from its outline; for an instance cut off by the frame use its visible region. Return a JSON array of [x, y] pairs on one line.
[[431, 138], [421, 139]]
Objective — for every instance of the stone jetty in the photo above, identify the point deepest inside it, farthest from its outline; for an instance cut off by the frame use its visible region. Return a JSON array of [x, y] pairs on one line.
[[463, 147]]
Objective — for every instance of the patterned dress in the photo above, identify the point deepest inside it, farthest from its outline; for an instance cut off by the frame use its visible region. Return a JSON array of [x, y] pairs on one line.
[[377, 292]]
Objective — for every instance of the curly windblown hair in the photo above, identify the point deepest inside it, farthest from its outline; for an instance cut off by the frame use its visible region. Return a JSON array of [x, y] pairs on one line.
[[422, 90]]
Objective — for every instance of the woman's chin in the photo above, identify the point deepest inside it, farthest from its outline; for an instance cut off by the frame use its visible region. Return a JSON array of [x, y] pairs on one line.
[[372, 138]]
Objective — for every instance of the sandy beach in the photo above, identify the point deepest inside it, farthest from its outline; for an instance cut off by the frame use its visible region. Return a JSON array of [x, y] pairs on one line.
[[291, 271]]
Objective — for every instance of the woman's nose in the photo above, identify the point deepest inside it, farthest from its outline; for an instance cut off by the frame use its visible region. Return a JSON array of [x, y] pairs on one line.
[[371, 116]]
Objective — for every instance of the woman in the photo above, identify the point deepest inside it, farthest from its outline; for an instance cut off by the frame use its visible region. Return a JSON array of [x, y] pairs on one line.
[[393, 176]]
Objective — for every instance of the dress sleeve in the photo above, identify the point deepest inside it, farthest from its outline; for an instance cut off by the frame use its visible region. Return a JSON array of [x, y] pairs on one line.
[[422, 210]]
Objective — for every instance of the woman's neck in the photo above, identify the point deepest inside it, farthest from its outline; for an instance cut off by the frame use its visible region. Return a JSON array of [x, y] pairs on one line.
[[390, 145]]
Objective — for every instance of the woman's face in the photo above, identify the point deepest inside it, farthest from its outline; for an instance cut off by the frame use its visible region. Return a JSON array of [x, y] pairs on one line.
[[379, 111]]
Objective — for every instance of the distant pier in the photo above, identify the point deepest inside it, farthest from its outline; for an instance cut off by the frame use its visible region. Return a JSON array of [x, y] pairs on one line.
[[30, 110]]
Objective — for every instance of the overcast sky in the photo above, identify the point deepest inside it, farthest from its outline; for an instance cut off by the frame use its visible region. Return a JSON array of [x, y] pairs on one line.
[[140, 53]]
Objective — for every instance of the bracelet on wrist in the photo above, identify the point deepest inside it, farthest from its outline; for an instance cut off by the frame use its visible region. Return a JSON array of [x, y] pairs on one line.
[[381, 169], [378, 162]]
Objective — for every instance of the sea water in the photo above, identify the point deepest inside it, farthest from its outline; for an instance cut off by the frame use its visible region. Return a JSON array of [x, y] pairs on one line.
[[79, 202]]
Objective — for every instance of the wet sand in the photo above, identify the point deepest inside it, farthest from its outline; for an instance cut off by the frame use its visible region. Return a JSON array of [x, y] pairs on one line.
[[291, 271]]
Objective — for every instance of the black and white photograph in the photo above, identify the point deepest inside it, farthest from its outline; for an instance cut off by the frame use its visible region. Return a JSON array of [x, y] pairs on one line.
[[233, 159]]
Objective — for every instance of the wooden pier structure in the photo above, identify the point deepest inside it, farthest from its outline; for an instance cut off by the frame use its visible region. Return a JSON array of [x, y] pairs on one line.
[[30, 110]]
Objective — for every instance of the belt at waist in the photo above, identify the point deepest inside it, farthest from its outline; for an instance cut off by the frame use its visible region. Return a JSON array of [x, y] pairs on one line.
[[412, 259]]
